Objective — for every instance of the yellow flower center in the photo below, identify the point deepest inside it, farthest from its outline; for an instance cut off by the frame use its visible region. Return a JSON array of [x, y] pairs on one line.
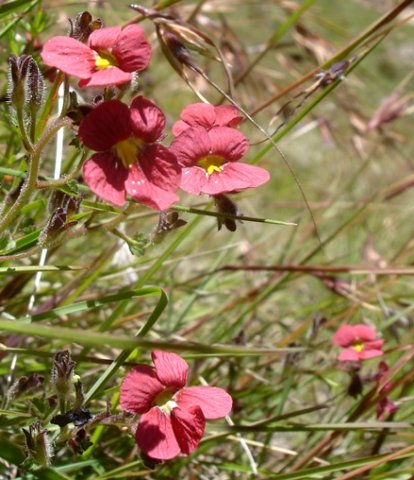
[[165, 401], [105, 59], [211, 163], [358, 347], [127, 150]]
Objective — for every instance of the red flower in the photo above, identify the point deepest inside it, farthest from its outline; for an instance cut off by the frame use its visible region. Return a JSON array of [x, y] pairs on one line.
[[173, 416], [110, 57], [359, 342], [210, 161], [129, 160], [207, 116]]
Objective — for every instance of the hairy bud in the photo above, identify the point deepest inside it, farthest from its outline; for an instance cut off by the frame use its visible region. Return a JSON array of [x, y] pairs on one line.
[[26, 86]]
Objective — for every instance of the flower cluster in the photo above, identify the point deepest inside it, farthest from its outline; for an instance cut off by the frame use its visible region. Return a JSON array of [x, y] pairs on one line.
[[173, 416], [204, 156]]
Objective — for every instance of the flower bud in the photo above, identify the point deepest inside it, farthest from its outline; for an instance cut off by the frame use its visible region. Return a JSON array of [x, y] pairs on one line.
[[18, 67], [37, 444], [26, 86]]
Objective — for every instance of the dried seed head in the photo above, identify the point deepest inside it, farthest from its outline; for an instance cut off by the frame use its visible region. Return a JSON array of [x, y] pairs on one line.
[[83, 26], [38, 447], [62, 373]]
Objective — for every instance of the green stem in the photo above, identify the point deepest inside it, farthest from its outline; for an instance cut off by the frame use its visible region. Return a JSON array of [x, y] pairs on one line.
[[25, 139], [30, 183]]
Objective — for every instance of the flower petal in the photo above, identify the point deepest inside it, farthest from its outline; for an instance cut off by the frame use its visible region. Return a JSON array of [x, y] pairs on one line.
[[171, 369], [193, 180], [235, 176], [105, 125], [190, 146], [344, 336], [228, 143], [147, 119], [375, 344], [105, 175], [179, 127], [69, 55], [214, 402], [107, 77], [199, 114], [227, 116], [160, 167], [188, 425], [364, 333], [145, 192], [366, 354], [132, 50], [104, 38], [349, 355], [139, 389], [155, 435]]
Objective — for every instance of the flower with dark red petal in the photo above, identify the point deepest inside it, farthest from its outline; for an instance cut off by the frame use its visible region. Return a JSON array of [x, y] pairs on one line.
[[207, 116], [109, 58], [129, 161], [173, 415], [210, 161], [359, 341]]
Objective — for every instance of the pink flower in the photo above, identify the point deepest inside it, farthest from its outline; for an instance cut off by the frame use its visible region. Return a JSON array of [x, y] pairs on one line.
[[210, 161], [173, 416], [110, 57], [207, 116], [359, 342], [128, 159]]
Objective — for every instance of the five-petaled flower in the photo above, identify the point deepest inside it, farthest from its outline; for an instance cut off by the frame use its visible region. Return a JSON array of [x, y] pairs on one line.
[[208, 148], [129, 161], [110, 58], [207, 116], [173, 416], [359, 342]]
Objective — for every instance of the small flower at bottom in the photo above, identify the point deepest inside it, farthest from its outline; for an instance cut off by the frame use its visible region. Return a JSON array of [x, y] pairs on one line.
[[129, 159], [110, 58], [359, 341], [173, 415]]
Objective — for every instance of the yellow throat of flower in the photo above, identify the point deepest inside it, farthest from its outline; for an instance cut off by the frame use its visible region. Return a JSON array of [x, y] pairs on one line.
[[211, 163], [105, 59], [127, 150], [358, 347]]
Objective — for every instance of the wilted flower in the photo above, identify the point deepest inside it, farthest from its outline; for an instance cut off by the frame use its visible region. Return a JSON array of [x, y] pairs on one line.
[[359, 342], [173, 416], [109, 58], [129, 160]]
